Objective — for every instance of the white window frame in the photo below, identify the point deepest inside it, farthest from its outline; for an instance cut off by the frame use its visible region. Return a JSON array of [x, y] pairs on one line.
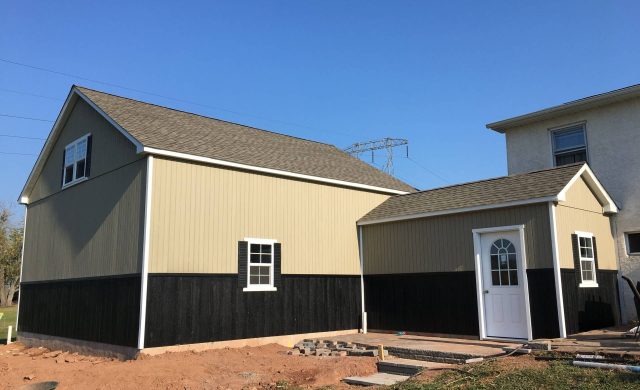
[[260, 287], [587, 283], [626, 239], [75, 162], [560, 129]]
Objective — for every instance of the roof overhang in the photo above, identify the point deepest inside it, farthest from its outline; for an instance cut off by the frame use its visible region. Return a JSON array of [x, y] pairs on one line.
[[608, 205], [567, 108], [71, 100]]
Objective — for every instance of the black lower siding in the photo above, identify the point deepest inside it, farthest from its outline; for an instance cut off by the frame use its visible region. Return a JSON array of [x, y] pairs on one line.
[[104, 310], [443, 302], [593, 307], [543, 303], [194, 308]]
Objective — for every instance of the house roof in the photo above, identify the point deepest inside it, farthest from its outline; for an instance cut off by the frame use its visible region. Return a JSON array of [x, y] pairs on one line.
[[164, 131], [533, 187], [602, 99]]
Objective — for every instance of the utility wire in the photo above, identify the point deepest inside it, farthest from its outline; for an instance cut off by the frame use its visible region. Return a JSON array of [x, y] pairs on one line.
[[31, 94], [429, 170], [19, 154], [158, 95], [26, 117], [22, 137]]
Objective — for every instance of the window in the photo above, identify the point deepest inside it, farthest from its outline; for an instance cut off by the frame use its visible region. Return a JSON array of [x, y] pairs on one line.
[[587, 260], [633, 243], [76, 161], [260, 267], [504, 264], [569, 145]]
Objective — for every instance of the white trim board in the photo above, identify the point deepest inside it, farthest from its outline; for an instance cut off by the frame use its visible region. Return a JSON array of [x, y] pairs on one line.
[[213, 161], [477, 249], [556, 270], [145, 253], [594, 184]]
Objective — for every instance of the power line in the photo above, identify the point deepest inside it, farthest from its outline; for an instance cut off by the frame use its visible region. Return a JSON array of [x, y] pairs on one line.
[[31, 94], [69, 75], [26, 117], [429, 170], [22, 137], [19, 154]]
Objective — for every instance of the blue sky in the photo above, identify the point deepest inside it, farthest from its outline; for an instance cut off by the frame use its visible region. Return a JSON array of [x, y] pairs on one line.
[[334, 71]]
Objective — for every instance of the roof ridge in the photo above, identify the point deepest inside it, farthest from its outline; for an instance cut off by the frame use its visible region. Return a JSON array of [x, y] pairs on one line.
[[203, 116], [490, 179]]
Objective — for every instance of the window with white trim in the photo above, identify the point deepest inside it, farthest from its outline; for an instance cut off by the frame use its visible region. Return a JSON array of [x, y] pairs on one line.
[[260, 264], [569, 145], [587, 259], [75, 161]]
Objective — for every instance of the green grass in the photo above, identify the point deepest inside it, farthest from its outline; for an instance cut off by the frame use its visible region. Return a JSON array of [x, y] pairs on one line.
[[558, 375], [8, 319]]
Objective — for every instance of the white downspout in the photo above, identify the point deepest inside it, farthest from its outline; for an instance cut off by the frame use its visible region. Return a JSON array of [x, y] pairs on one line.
[[364, 313]]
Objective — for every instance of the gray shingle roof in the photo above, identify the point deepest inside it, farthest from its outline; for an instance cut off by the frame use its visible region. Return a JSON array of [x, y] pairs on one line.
[[526, 186], [177, 131]]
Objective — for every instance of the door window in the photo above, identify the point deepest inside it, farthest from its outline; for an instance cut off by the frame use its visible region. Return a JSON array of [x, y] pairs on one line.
[[504, 265]]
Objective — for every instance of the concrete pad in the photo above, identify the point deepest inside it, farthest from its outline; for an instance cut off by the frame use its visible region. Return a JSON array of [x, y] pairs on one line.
[[379, 379], [401, 366]]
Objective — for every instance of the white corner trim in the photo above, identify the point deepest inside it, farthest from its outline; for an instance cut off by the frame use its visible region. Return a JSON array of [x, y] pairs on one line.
[[145, 253], [592, 181], [556, 270], [253, 168], [459, 210], [257, 288], [363, 311], [477, 249], [24, 235]]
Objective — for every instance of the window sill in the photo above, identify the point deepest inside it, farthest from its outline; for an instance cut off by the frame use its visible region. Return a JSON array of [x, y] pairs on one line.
[[588, 285], [255, 288], [73, 183]]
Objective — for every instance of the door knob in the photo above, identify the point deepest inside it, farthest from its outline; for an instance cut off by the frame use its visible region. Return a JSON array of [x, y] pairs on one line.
[[486, 291]]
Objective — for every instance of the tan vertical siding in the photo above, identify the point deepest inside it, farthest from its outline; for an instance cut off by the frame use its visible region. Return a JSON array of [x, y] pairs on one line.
[[91, 229], [582, 212], [110, 149], [200, 212], [445, 243]]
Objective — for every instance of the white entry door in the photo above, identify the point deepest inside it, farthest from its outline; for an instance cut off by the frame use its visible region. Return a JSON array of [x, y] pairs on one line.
[[503, 288]]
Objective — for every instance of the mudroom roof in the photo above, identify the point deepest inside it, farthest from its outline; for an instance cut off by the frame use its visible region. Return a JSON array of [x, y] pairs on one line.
[[532, 187]]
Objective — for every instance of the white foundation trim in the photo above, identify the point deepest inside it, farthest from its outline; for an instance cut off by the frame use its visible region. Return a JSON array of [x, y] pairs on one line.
[[556, 270], [477, 247], [145, 253], [207, 160]]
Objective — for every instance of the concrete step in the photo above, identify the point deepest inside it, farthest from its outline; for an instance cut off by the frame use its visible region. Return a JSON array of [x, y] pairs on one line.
[[435, 356], [407, 366], [379, 379]]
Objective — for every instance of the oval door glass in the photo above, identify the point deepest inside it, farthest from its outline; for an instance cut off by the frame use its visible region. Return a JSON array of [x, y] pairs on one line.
[[504, 264]]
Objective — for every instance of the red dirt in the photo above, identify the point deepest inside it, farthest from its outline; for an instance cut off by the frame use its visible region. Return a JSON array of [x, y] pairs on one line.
[[242, 368]]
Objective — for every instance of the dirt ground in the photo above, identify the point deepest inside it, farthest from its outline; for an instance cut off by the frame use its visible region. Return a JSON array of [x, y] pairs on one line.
[[243, 368]]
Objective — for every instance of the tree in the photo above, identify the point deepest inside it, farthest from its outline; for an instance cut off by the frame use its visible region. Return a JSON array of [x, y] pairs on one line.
[[10, 257]]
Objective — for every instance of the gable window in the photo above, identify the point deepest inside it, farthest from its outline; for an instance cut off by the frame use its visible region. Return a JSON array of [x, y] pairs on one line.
[[76, 161], [259, 264], [569, 145], [633, 243], [586, 253]]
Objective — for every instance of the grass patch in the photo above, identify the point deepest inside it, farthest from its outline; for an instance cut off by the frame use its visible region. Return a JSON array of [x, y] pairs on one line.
[[8, 319], [554, 375]]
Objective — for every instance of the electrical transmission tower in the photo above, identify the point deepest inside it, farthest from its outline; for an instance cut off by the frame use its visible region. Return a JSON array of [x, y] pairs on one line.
[[371, 146]]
